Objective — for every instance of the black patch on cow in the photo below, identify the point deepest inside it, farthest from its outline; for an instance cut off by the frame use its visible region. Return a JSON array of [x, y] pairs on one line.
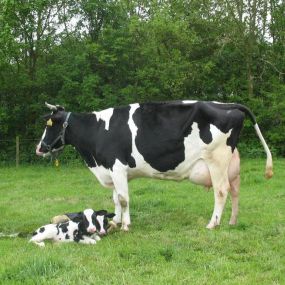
[[64, 227], [34, 233], [99, 146], [67, 236], [75, 217], [161, 131], [77, 236], [42, 229], [162, 128]]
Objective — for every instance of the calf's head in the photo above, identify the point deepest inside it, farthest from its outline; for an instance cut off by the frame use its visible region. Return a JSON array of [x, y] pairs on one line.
[[92, 221], [102, 221], [53, 138]]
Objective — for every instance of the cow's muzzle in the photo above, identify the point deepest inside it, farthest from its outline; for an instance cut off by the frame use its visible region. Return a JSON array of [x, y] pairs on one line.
[[38, 152]]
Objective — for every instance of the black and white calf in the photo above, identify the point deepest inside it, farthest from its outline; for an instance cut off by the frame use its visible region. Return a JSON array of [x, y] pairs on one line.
[[79, 229], [166, 140]]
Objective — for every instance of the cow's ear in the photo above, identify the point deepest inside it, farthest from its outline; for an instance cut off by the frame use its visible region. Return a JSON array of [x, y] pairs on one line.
[[110, 215], [75, 217], [101, 212], [60, 108], [46, 117]]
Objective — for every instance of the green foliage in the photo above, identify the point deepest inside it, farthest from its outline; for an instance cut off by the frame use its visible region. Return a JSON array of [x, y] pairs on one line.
[[89, 55]]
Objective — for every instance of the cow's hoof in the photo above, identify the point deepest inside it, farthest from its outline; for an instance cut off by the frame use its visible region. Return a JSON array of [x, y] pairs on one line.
[[125, 228], [112, 227], [233, 222], [113, 224], [211, 226]]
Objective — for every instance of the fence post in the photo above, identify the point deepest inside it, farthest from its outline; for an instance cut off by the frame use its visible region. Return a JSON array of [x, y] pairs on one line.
[[17, 151]]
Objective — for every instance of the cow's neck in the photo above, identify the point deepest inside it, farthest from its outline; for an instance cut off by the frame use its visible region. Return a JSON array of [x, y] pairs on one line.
[[81, 132]]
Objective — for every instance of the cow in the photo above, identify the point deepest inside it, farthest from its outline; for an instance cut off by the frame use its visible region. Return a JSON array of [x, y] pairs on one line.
[[79, 229], [195, 140]]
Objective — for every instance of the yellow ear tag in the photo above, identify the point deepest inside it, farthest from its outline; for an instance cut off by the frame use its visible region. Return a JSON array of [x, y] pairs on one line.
[[49, 123]]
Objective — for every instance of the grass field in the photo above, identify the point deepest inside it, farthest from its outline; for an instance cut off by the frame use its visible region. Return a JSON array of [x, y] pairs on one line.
[[168, 242]]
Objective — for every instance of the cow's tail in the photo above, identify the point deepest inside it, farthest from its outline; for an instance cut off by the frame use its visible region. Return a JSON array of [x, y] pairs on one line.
[[269, 163]]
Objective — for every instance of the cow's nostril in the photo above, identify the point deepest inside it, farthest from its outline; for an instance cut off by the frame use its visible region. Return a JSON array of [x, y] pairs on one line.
[[102, 233]]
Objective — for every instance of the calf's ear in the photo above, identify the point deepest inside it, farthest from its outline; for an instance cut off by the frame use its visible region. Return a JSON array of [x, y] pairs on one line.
[[110, 215], [101, 212]]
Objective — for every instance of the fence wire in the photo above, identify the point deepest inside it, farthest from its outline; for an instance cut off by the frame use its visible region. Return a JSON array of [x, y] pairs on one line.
[[26, 153]]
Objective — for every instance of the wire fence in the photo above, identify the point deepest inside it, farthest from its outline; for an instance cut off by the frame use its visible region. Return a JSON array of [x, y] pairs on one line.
[[22, 151]]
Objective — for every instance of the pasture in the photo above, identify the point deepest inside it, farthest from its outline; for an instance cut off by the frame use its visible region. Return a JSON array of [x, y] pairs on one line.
[[168, 242]]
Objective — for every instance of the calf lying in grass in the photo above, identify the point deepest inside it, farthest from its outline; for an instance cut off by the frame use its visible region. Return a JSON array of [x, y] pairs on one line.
[[80, 228]]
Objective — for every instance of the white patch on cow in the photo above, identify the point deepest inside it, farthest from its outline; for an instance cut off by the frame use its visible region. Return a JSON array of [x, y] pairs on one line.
[[100, 220], [105, 115], [219, 138], [189, 101], [103, 176], [43, 136], [40, 142], [88, 214]]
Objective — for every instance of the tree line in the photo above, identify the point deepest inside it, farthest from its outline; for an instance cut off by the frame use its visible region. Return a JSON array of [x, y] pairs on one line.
[[92, 54]]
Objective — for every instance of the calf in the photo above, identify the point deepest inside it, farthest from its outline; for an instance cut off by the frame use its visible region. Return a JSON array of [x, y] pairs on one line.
[[79, 229]]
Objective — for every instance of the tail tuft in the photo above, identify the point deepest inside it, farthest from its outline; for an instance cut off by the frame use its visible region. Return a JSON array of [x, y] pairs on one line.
[[269, 163], [268, 172]]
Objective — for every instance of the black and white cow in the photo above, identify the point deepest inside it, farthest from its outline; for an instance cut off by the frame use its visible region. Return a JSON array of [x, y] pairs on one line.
[[79, 229], [168, 140]]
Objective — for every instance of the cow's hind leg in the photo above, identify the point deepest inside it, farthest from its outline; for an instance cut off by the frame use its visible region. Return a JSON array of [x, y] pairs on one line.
[[235, 186], [218, 167]]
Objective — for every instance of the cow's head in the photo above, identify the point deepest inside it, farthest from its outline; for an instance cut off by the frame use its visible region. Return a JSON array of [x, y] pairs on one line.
[[53, 138]]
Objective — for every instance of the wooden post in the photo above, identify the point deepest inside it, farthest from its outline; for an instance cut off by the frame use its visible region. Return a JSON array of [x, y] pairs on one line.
[[17, 151]]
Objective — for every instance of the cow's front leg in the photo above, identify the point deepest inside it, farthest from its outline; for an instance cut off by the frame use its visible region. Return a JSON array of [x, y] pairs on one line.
[[118, 209], [121, 187]]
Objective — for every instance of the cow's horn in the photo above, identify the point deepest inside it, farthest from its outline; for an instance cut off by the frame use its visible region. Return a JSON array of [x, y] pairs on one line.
[[52, 107]]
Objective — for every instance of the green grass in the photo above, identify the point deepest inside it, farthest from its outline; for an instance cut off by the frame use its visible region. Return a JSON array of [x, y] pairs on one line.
[[168, 242]]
